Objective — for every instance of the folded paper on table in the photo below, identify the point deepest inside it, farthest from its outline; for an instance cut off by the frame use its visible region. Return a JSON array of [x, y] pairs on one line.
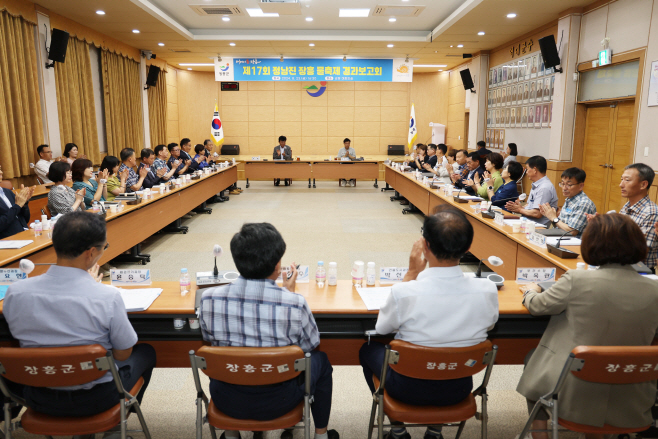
[[3, 291], [6, 245], [511, 222], [563, 241], [139, 299], [374, 298]]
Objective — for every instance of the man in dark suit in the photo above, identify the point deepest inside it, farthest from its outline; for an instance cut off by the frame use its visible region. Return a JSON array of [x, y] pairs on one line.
[[14, 211], [185, 148], [282, 152]]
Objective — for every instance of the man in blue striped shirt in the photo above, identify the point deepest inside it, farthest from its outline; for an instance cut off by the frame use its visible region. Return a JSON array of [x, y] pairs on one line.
[[254, 312]]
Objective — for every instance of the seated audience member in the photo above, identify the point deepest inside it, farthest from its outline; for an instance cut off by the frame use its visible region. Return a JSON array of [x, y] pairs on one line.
[[432, 159], [434, 306], [511, 153], [611, 306], [542, 192], [508, 190], [208, 147], [83, 171], [116, 181], [493, 165], [71, 153], [440, 169], [459, 166], [347, 152], [257, 251], [45, 160], [176, 160], [14, 210], [282, 152], [153, 176], [577, 205], [61, 198], [66, 306], [160, 162], [635, 183], [482, 149], [451, 155], [185, 153], [420, 157], [472, 169], [200, 150], [128, 161]]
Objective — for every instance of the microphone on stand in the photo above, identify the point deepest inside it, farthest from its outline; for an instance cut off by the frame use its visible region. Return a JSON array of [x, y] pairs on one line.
[[559, 251], [216, 251], [27, 266], [491, 214]]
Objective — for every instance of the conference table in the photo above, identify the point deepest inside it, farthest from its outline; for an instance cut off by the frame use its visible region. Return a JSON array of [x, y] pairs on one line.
[[132, 225], [490, 239], [311, 170]]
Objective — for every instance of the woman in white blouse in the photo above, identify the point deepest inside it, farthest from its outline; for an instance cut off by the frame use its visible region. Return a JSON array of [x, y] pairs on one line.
[[511, 152]]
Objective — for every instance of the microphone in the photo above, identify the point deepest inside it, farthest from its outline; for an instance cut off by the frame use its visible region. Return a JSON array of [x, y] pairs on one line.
[[457, 199], [493, 260], [27, 266], [216, 251], [559, 251]]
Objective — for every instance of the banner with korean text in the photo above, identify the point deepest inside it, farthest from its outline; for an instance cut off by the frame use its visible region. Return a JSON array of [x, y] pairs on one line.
[[313, 69]]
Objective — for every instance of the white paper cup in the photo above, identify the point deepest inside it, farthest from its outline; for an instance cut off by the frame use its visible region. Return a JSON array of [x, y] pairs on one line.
[[516, 228], [194, 323], [179, 323], [113, 208]]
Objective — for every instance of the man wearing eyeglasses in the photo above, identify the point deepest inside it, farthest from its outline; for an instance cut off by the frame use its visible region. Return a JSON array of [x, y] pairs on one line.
[[577, 205], [66, 306]]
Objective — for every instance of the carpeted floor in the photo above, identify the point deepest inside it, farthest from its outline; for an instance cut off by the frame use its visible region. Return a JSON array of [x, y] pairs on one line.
[[328, 223]]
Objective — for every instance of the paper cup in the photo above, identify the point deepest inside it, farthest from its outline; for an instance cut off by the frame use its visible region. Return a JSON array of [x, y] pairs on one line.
[[516, 228]]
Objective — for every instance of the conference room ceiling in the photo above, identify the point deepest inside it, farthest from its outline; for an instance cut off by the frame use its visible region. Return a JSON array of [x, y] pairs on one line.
[[426, 37]]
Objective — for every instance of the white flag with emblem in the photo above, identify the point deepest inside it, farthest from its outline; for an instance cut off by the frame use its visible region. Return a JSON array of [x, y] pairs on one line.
[[413, 132], [216, 129]]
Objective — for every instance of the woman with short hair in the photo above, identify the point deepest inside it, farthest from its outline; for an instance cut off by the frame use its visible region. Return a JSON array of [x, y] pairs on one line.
[[83, 170], [61, 198]]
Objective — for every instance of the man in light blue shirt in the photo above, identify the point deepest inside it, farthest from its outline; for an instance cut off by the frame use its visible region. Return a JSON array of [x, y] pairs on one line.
[[66, 306], [542, 192]]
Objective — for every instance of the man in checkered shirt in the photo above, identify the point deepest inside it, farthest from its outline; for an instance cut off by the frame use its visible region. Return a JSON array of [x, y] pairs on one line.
[[577, 205], [635, 183], [254, 312]]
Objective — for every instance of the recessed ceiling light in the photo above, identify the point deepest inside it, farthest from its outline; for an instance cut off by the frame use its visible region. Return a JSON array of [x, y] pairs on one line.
[[460, 45], [430, 65], [353, 12], [452, 46], [480, 33], [309, 18], [225, 18], [258, 12], [195, 64], [135, 31], [231, 44], [392, 19], [99, 12], [512, 15], [189, 68], [389, 45], [440, 70], [311, 44], [160, 44]]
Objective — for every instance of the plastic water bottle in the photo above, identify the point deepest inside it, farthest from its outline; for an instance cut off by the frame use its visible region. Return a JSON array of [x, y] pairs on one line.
[[37, 228], [332, 274], [370, 274], [320, 275], [184, 282], [95, 207]]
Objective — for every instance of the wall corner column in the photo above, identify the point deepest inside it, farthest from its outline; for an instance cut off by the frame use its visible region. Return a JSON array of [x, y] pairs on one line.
[[47, 87], [478, 109], [145, 101]]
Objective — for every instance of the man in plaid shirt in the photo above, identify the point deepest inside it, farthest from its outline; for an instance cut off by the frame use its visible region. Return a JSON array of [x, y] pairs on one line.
[[577, 205], [254, 312], [635, 183]]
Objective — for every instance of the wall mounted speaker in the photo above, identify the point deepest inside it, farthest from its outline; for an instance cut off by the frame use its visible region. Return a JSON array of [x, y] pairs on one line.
[[152, 77], [59, 41], [549, 52], [467, 80]]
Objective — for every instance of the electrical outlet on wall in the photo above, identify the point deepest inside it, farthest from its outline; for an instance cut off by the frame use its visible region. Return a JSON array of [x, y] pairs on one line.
[[459, 137], [646, 151]]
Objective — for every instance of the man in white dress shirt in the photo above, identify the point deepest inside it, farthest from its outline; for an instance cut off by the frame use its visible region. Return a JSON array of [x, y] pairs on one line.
[[435, 306], [45, 160]]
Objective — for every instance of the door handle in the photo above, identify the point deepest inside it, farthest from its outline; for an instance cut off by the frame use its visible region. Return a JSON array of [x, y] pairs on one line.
[[610, 166], [605, 165]]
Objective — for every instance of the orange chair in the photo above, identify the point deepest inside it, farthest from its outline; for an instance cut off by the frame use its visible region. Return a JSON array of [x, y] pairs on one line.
[[7, 185], [61, 367], [251, 367], [433, 364], [592, 364]]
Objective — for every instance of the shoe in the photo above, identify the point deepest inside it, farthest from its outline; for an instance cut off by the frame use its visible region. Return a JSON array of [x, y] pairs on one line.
[[187, 216], [352, 182], [389, 435], [341, 183], [286, 183], [333, 434], [286, 434], [234, 192], [277, 182]]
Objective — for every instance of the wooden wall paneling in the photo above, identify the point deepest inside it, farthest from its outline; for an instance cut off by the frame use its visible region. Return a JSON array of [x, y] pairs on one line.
[[428, 92], [197, 96]]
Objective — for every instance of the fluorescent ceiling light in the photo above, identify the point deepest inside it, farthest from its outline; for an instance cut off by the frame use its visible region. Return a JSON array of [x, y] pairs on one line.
[[99, 12], [480, 33], [309, 18], [135, 31], [231, 44], [189, 68], [160, 44], [226, 18], [258, 12], [311, 44], [430, 65], [392, 19], [196, 65], [460, 45], [440, 70], [353, 12], [512, 15], [389, 45]]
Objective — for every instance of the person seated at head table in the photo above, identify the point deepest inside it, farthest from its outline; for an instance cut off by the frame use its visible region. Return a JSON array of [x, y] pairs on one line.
[[62, 198], [440, 168], [257, 250], [508, 190], [116, 181], [186, 154], [282, 152], [128, 161], [153, 176], [435, 306], [473, 168], [82, 171], [14, 210], [511, 152], [208, 147], [482, 149], [490, 178], [419, 157], [610, 306], [45, 160], [71, 153], [347, 151], [67, 306], [451, 155], [573, 215], [200, 150], [542, 192]]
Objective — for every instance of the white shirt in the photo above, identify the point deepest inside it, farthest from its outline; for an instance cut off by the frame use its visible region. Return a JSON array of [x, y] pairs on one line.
[[441, 308], [41, 169], [442, 168], [4, 198]]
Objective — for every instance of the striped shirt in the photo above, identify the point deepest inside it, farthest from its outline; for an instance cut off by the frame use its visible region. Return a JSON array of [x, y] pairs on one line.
[[160, 164], [132, 179], [645, 215], [257, 313], [575, 210]]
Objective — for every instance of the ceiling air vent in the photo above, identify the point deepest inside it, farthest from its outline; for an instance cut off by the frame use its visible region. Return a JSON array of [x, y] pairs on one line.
[[180, 50], [217, 9], [398, 11]]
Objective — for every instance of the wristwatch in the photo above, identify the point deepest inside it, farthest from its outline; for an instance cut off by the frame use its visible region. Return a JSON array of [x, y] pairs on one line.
[[555, 221], [490, 188]]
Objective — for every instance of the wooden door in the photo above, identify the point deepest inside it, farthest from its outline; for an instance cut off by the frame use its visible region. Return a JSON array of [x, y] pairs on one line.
[[596, 152], [621, 153]]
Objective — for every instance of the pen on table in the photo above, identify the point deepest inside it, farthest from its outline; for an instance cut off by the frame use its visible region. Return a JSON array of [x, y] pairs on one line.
[[290, 272]]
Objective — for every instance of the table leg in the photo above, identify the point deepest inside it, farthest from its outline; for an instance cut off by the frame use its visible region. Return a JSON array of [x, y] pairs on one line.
[[387, 188], [175, 227], [247, 183], [314, 183], [376, 183], [134, 256]]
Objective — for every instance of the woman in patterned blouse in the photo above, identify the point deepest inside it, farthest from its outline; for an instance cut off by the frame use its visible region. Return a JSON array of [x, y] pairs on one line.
[[62, 199], [83, 170]]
